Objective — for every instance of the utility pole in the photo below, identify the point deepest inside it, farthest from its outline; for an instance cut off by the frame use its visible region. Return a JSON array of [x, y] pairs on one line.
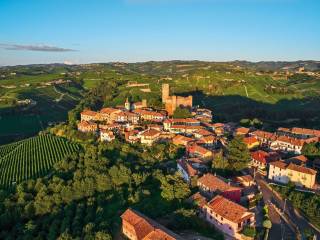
[[284, 207]]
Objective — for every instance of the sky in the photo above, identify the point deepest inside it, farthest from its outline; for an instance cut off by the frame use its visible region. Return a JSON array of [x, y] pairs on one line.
[[87, 31]]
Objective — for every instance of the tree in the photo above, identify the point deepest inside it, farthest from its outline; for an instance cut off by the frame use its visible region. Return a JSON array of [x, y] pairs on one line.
[[181, 113], [311, 150], [219, 162], [238, 155], [267, 225]]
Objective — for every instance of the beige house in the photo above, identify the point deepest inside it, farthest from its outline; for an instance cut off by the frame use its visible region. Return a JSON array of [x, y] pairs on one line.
[[149, 136], [282, 172]]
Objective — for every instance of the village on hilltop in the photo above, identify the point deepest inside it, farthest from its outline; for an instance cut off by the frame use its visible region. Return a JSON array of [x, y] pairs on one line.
[[221, 201]]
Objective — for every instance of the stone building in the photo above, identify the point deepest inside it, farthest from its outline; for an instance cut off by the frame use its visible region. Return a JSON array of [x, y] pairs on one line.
[[173, 102]]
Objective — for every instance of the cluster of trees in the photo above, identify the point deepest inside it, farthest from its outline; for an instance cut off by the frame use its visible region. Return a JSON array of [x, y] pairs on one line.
[[309, 203], [311, 150], [87, 191], [255, 122], [233, 159], [181, 113]]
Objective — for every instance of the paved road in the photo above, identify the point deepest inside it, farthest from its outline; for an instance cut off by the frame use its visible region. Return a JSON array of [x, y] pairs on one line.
[[294, 219], [280, 229]]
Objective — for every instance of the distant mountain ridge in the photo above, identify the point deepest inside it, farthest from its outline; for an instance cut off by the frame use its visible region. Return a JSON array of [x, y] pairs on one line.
[[309, 65]]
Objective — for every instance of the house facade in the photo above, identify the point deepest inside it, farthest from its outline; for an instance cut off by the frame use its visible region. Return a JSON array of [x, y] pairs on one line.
[[228, 216], [284, 173]]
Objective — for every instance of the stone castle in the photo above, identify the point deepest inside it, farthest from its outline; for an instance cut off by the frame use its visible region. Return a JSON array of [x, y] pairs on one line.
[[173, 102]]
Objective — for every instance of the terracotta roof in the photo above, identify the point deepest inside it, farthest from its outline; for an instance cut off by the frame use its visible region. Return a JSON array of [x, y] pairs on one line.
[[109, 110], [300, 158], [186, 127], [264, 134], [150, 133], [198, 199], [184, 120], [291, 140], [86, 124], [215, 183], [250, 140], [203, 132], [282, 129], [187, 167], [89, 113], [229, 210], [207, 139], [279, 164], [264, 157], [301, 169], [180, 139], [158, 234], [242, 130], [305, 131], [218, 125], [146, 228], [146, 112], [195, 148]]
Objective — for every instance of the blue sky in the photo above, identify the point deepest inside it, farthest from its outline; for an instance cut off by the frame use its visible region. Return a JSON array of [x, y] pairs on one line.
[[82, 31]]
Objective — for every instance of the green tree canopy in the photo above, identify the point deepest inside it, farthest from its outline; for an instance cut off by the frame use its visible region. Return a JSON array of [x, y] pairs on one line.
[[238, 155], [181, 113]]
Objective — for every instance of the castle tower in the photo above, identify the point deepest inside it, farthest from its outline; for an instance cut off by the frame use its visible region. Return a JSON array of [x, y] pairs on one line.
[[165, 92]]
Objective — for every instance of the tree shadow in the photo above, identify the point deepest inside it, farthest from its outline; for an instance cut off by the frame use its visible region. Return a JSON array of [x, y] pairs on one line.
[[287, 112]]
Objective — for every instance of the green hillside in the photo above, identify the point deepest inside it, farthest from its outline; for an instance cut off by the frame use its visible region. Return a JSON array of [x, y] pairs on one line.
[[32, 158], [274, 92]]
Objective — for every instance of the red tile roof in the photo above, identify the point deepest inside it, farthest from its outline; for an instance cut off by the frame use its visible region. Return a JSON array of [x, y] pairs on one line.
[[301, 169], [150, 133], [264, 157], [89, 113], [291, 140], [229, 210], [146, 228], [187, 167], [305, 131], [242, 130], [109, 110], [279, 164], [215, 183], [250, 140]]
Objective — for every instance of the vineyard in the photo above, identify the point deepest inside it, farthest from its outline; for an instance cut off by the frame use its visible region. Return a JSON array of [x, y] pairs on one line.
[[32, 158]]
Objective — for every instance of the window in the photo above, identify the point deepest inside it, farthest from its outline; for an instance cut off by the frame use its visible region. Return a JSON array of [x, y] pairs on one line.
[[221, 218]]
